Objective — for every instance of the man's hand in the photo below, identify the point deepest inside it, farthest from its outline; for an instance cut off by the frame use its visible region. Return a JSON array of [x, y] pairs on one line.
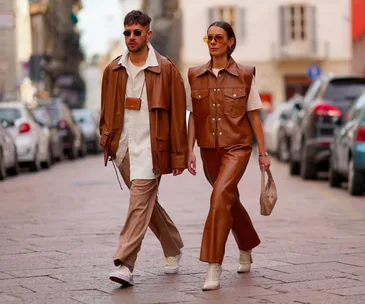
[[192, 163], [177, 172]]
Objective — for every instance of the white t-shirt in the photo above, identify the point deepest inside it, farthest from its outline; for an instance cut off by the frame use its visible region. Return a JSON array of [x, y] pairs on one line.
[[253, 102]]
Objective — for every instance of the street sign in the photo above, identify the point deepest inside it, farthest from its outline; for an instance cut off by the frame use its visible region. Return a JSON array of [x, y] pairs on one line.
[[314, 70]]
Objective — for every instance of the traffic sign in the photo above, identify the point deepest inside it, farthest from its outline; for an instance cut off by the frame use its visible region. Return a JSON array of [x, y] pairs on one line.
[[314, 70]]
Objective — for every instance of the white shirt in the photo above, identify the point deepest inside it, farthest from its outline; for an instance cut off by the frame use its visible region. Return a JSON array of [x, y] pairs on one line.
[[253, 102], [135, 135]]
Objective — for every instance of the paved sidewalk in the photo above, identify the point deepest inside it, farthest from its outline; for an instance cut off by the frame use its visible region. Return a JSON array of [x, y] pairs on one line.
[[59, 231]]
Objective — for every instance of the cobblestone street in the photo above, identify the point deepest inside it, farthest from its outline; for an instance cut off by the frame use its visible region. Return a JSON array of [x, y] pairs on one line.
[[59, 231]]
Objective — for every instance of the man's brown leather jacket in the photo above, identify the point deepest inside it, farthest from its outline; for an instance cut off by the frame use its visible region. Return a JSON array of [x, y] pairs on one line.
[[167, 106]]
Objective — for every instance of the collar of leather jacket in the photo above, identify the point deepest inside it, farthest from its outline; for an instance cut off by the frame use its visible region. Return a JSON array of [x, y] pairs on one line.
[[231, 68], [157, 69]]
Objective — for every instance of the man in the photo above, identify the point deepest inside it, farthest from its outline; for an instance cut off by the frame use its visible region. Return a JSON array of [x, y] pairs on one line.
[[143, 129]]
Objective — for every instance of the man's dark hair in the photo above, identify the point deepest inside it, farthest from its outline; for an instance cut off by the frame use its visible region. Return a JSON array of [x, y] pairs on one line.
[[137, 17], [230, 32]]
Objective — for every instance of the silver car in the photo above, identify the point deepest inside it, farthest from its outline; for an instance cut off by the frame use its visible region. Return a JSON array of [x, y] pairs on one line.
[[8, 155]]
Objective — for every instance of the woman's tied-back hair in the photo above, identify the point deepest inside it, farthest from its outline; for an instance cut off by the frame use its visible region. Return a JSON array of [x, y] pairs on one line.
[[137, 17], [230, 33]]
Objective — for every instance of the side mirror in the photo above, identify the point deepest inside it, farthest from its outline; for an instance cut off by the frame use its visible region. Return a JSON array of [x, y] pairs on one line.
[[337, 121], [298, 106]]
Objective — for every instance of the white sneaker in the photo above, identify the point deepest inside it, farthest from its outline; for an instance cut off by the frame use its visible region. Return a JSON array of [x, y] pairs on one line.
[[172, 264], [122, 276], [245, 261], [213, 276]]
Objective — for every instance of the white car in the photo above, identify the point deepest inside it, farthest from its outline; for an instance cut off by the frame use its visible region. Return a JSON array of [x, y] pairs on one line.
[[32, 142], [271, 128], [8, 155]]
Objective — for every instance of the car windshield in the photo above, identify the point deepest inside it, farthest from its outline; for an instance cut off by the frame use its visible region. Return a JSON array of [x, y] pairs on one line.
[[345, 89], [9, 114]]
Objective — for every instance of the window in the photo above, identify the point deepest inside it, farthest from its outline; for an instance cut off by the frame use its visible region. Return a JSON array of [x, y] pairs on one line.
[[231, 14], [297, 23]]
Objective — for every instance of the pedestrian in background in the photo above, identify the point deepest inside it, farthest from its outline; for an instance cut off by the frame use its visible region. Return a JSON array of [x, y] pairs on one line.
[[143, 129], [224, 107]]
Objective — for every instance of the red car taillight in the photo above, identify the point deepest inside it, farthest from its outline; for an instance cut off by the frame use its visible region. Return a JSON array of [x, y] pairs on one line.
[[62, 124], [325, 109], [24, 128], [360, 137]]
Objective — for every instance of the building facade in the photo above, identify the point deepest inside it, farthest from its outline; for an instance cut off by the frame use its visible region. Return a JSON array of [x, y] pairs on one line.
[[57, 54], [358, 36], [15, 49], [282, 38]]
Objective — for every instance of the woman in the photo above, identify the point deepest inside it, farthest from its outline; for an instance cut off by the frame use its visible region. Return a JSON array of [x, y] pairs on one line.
[[225, 104]]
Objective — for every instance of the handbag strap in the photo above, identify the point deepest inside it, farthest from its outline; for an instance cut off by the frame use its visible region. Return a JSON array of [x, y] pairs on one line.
[[263, 177]]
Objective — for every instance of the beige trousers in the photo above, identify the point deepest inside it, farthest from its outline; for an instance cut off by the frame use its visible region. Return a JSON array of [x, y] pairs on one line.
[[144, 211]]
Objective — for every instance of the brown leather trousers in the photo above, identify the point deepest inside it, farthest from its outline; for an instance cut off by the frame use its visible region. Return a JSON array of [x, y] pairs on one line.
[[224, 168]]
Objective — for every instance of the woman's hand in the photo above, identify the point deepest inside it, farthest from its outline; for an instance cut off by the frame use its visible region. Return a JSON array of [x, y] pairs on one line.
[[192, 163], [264, 162]]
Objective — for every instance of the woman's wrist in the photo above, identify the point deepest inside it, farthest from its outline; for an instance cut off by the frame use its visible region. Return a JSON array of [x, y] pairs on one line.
[[263, 154]]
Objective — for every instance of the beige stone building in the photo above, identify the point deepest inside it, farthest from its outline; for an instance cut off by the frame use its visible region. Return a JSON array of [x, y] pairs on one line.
[[15, 47]]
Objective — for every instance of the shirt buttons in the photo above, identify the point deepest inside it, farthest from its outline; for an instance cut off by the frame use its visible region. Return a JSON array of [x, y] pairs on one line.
[[219, 119], [213, 133], [199, 96], [213, 104], [218, 105], [220, 133], [218, 90], [214, 90], [213, 119], [234, 95]]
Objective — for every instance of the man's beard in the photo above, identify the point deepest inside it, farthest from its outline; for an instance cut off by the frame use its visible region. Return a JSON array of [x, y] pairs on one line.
[[138, 48]]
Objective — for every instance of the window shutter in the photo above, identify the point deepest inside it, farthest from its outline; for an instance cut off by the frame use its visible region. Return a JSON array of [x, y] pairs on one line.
[[312, 27], [283, 26], [241, 23], [211, 15]]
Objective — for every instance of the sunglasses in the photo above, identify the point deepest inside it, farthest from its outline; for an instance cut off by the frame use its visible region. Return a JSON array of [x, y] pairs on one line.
[[137, 33], [210, 38]]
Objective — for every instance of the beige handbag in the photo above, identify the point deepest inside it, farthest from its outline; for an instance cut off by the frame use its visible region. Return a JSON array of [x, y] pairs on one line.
[[268, 195]]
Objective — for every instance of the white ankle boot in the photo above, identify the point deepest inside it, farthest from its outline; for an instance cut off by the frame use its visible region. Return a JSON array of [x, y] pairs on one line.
[[245, 261], [213, 276]]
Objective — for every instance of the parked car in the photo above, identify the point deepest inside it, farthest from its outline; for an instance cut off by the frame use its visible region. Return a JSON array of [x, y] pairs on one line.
[[44, 119], [8, 155], [327, 98], [31, 143], [89, 123], [272, 125], [69, 131], [288, 117], [347, 160]]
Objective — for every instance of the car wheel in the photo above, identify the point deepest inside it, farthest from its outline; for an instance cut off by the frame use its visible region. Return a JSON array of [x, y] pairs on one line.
[[356, 180], [294, 168], [283, 153], [15, 170], [308, 170], [72, 153], [2, 167], [48, 162], [83, 149], [35, 165]]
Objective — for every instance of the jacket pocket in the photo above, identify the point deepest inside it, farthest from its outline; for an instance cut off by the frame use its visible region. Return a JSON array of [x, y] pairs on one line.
[[104, 138], [163, 144], [234, 103], [200, 100]]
